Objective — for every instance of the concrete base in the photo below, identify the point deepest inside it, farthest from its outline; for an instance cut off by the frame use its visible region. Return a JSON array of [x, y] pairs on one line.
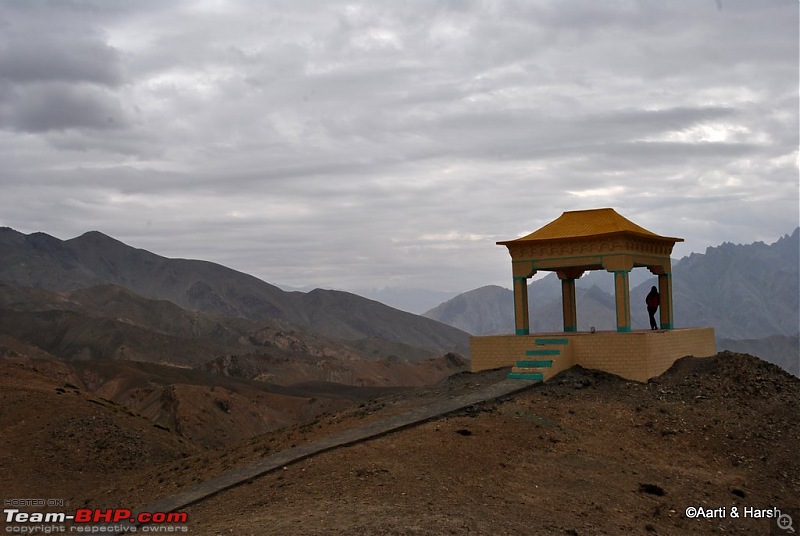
[[636, 355]]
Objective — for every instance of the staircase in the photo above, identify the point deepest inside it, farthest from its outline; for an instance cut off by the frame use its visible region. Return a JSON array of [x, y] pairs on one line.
[[538, 363]]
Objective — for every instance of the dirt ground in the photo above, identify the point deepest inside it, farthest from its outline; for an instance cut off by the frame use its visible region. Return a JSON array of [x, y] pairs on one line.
[[585, 453]]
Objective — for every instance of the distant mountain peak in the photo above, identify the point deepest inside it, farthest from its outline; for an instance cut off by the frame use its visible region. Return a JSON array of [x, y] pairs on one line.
[[93, 233], [96, 236]]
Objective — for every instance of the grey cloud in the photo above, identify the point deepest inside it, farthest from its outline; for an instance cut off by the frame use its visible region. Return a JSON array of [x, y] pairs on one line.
[[57, 74], [47, 107], [256, 133], [536, 135], [61, 58], [111, 143]]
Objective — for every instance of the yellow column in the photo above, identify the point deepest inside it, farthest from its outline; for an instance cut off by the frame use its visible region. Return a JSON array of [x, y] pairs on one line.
[[521, 322], [569, 305], [665, 292], [623, 297]]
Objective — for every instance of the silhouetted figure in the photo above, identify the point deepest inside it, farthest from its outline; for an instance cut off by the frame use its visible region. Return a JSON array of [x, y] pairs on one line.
[[653, 300]]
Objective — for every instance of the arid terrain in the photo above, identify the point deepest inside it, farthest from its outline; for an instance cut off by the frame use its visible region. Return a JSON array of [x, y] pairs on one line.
[[585, 453]]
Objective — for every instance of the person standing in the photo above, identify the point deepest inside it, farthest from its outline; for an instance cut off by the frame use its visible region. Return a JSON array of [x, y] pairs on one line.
[[653, 300]]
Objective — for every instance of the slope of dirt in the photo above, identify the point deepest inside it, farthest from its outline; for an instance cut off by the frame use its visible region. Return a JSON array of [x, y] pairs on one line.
[[188, 472], [586, 453], [204, 409], [58, 441]]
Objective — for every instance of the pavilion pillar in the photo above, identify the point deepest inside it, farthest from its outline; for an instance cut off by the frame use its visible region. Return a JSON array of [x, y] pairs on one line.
[[521, 321], [623, 298], [569, 306], [568, 301], [621, 266], [665, 292]]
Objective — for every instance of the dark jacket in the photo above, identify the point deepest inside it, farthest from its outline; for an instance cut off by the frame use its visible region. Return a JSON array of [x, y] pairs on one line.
[[653, 300]]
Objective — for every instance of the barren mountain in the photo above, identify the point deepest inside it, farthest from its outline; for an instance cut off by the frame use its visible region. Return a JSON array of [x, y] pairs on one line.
[[111, 322], [42, 261], [485, 310], [744, 291]]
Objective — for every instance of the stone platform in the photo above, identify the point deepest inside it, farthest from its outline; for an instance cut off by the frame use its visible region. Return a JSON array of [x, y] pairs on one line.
[[635, 355]]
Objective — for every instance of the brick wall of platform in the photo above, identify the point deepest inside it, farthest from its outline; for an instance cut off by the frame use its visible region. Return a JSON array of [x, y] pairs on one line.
[[638, 355]]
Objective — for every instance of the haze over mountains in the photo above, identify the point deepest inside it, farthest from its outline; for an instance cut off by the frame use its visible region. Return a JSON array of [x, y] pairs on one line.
[[746, 292]]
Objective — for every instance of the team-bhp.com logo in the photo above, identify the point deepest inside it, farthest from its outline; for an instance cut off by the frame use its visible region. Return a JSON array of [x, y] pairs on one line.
[[123, 519]]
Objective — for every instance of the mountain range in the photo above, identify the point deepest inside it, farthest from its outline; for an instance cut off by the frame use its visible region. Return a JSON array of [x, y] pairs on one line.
[[746, 292], [44, 262]]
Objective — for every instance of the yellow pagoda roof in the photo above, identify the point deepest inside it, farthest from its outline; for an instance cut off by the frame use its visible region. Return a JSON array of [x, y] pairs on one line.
[[589, 223]]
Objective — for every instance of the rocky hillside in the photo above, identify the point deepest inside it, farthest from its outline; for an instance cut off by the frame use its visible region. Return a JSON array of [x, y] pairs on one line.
[[745, 291], [211, 379], [225, 400], [779, 349]]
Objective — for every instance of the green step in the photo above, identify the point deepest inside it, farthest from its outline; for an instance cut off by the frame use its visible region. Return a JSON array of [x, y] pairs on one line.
[[542, 352], [551, 341], [535, 364], [537, 376]]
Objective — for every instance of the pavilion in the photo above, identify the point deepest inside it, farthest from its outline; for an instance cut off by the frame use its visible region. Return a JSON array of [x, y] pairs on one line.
[[576, 242], [582, 240]]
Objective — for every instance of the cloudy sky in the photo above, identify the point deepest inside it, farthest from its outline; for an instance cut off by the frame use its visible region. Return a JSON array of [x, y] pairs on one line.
[[391, 143]]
